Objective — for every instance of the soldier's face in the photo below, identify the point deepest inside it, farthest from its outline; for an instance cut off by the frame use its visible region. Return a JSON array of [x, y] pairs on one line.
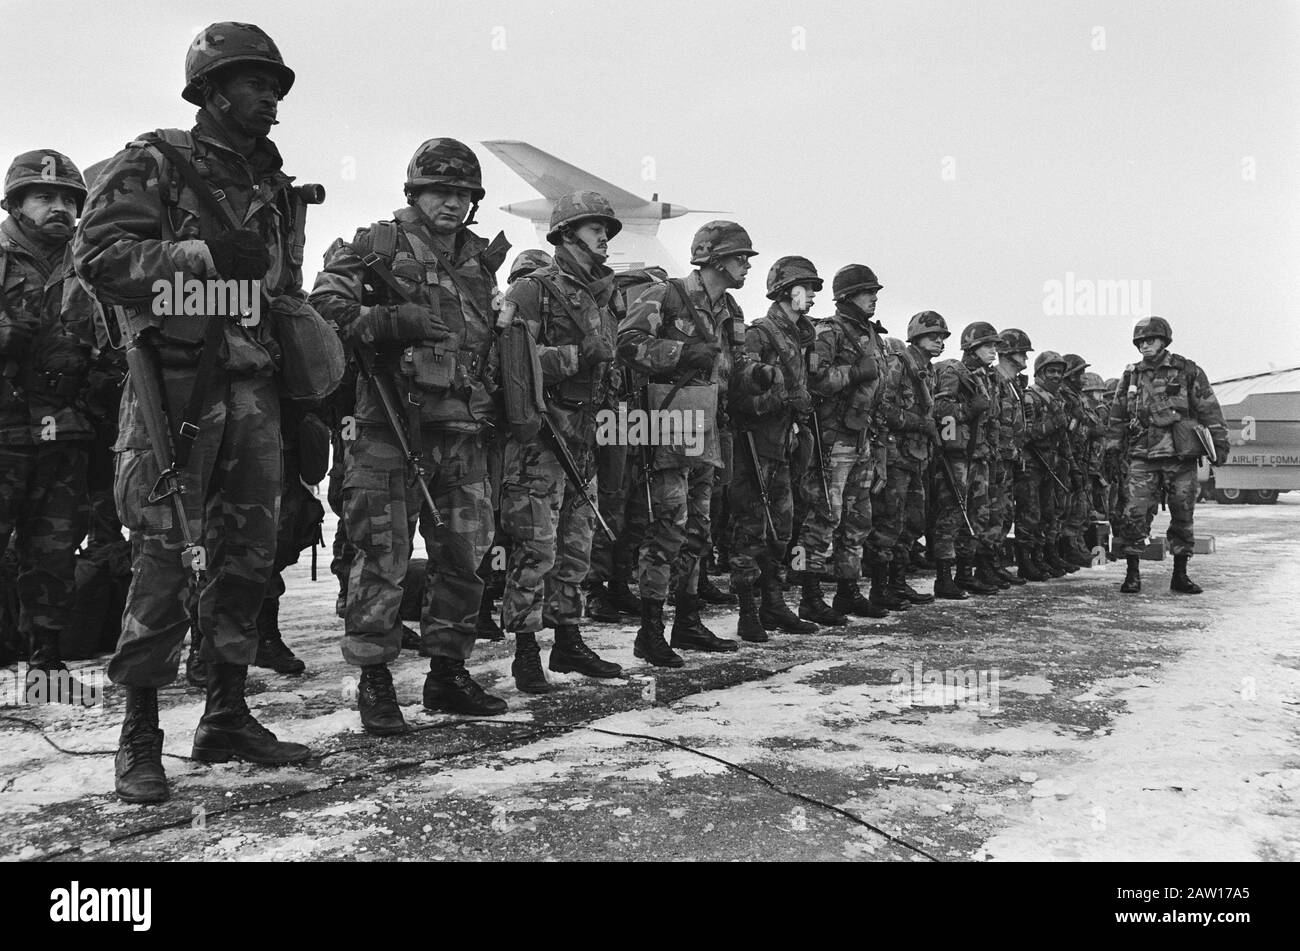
[[1052, 374], [866, 302], [931, 344], [447, 208], [735, 267], [1017, 360], [254, 98], [987, 353], [53, 210], [593, 235], [1151, 347]]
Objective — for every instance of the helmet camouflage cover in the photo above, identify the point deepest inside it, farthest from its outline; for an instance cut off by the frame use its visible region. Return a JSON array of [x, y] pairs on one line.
[[1074, 364], [43, 167], [718, 239], [448, 163], [978, 334], [527, 262], [853, 279], [1014, 340], [1093, 383], [579, 206], [1153, 327], [224, 44], [1046, 358], [788, 271], [926, 322]]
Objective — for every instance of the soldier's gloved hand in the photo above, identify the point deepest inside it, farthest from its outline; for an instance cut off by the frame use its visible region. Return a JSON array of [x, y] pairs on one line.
[[240, 255], [979, 405], [931, 429], [14, 340], [764, 375], [1060, 420], [863, 371], [406, 323], [799, 401], [594, 350], [699, 356]]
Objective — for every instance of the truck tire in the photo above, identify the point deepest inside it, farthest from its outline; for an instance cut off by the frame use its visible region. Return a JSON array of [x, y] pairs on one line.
[[1228, 496], [1262, 497]]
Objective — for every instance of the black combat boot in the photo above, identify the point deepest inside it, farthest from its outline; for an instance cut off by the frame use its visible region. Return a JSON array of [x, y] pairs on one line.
[[998, 562], [600, 606], [882, 593], [138, 770], [229, 731], [1052, 555], [570, 654], [1028, 567], [377, 702], [1076, 553], [986, 572], [750, 628], [813, 606], [449, 688], [272, 652], [710, 593], [776, 614], [944, 586], [898, 584], [849, 600], [1045, 564], [690, 633], [1133, 577], [527, 665], [966, 580], [196, 668], [1179, 581], [58, 685], [650, 644], [621, 596], [486, 627]]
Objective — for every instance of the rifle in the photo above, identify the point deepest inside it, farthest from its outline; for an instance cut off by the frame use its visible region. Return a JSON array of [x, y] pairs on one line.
[[758, 477], [570, 467], [819, 449], [1043, 462], [957, 494], [393, 416], [145, 374], [647, 459]]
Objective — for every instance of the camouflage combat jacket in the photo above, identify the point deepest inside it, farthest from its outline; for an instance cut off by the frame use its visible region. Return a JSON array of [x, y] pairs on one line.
[[771, 416], [845, 410], [459, 394], [1156, 405], [962, 433], [1010, 388], [1046, 427], [907, 402]]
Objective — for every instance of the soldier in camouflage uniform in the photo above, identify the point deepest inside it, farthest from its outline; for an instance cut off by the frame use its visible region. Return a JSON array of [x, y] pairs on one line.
[[1159, 403], [413, 297], [906, 410], [1074, 515], [767, 416], [968, 431], [44, 435], [144, 223], [1114, 463], [566, 309], [1013, 346], [1039, 494], [1094, 391], [684, 335], [846, 369]]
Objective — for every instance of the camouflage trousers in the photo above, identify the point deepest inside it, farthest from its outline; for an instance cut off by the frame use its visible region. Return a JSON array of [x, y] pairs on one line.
[[835, 530], [1002, 501], [615, 466], [42, 504], [232, 502], [754, 550], [1145, 479], [952, 538], [550, 528], [678, 531], [1075, 509], [383, 508], [343, 551], [1038, 500], [899, 511], [105, 527]]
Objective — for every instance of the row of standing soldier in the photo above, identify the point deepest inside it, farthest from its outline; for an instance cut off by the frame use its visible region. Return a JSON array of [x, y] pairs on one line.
[[471, 415]]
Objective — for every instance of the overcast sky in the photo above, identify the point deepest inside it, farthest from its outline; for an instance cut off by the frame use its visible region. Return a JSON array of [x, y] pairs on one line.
[[971, 153]]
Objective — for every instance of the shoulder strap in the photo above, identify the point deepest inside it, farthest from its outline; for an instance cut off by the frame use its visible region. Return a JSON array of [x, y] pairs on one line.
[[214, 199], [684, 301], [383, 248]]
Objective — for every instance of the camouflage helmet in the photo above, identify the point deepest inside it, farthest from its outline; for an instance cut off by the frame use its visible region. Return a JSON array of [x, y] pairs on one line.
[[926, 322], [527, 262], [788, 271], [978, 334], [445, 162], [43, 167], [1047, 358], [224, 44], [1093, 383], [1074, 364], [1153, 327], [893, 345], [853, 279], [1014, 340], [717, 239], [579, 206], [1111, 384]]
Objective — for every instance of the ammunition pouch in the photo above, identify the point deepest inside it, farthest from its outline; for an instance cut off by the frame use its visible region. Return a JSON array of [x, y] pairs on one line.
[[696, 424], [521, 376], [310, 352], [430, 367], [313, 449]]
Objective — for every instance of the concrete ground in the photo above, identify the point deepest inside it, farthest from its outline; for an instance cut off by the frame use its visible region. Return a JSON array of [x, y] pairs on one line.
[[1054, 721]]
